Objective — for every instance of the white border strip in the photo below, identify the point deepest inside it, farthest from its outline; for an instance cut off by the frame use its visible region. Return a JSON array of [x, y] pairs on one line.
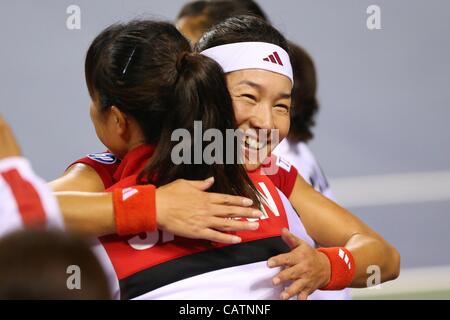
[[415, 280], [392, 189]]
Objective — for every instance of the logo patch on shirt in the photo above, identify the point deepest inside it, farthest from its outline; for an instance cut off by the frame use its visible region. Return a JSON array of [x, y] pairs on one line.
[[283, 163], [105, 157], [128, 192]]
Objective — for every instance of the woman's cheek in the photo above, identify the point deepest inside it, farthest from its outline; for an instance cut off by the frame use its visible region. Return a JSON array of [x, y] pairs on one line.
[[282, 123], [239, 113]]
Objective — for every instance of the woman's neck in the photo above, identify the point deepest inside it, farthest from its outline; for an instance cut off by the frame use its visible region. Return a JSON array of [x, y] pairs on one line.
[[135, 144]]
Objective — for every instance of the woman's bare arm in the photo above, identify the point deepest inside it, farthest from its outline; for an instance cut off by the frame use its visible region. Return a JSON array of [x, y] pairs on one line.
[[78, 177], [183, 207], [330, 226]]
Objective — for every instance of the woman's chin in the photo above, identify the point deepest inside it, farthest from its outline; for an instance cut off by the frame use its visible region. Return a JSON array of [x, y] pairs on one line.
[[253, 159], [252, 166]]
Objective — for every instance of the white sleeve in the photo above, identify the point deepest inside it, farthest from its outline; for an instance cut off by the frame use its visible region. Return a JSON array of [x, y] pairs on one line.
[[25, 198], [299, 155]]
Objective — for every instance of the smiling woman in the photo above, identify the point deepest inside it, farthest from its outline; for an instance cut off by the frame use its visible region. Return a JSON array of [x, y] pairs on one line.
[[348, 245], [259, 77], [260, 81], [262, 102]]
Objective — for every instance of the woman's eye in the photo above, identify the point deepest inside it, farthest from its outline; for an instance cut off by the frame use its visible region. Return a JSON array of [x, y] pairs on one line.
[[282, 107], [249, 96]]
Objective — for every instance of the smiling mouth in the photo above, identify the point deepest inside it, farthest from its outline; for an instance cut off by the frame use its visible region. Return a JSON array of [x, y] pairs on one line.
[[255, 144]]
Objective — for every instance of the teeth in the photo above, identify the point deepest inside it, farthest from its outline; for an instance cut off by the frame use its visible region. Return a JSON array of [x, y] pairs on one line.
[[254, 143]]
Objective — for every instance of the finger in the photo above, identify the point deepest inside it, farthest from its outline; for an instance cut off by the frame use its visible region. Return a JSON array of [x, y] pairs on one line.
[[294, 289], [3, 126], [288, 274], [10, 137], [290, 239], [284, 259], [234, 212], [228, 225], [227, 199], [304, 295], [8, 141], [201, 185], [220, 237]]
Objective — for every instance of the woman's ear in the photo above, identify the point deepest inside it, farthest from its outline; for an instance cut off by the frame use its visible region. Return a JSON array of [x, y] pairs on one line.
[[120, 121]]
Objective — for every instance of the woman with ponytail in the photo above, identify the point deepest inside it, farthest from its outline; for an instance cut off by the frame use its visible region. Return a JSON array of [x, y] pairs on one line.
[[145, 82]]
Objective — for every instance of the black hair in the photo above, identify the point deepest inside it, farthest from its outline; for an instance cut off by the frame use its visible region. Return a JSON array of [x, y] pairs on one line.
[[216, 11], [242, 28], [304, 101]]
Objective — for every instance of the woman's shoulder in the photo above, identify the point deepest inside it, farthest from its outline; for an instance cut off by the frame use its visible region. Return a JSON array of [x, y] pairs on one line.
[[104, 164]]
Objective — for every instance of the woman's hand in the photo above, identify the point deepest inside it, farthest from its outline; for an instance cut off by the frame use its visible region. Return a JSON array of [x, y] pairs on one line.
[[184, 208], [8, 144], [307, 268]]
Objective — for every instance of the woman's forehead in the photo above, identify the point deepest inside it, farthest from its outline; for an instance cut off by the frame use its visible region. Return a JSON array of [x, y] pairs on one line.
[[259, 79]]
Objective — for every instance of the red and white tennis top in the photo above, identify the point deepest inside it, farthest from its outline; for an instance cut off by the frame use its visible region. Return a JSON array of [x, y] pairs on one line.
[[106, 164], [159, 265]]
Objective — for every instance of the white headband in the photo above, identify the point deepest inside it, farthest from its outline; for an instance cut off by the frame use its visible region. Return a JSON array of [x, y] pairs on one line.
[[251, 55]]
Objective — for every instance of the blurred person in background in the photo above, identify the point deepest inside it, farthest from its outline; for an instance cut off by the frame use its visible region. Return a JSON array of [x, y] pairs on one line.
[[38, 264], [34, 251]]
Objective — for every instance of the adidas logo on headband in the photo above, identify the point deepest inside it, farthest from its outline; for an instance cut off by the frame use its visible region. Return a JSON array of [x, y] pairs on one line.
[[247, 55], [274, 58]]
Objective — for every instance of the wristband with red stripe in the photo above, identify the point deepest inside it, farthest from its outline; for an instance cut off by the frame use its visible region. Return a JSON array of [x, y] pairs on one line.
[[135, 209], [342, 268]]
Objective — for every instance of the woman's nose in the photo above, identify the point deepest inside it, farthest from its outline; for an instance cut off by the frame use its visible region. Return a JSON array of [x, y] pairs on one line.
[[262, 118]]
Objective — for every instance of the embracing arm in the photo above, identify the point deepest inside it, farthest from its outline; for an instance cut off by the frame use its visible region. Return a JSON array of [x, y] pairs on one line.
[[78, 177], [85, 207], [183, 207], [89, 213], [333, 226], [330, 226]]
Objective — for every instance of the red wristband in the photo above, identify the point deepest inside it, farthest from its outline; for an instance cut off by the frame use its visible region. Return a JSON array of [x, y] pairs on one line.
[[135, 209], [342, 267]]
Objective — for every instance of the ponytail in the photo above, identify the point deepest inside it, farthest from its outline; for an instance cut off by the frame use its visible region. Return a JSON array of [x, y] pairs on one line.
[[200, 94]]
